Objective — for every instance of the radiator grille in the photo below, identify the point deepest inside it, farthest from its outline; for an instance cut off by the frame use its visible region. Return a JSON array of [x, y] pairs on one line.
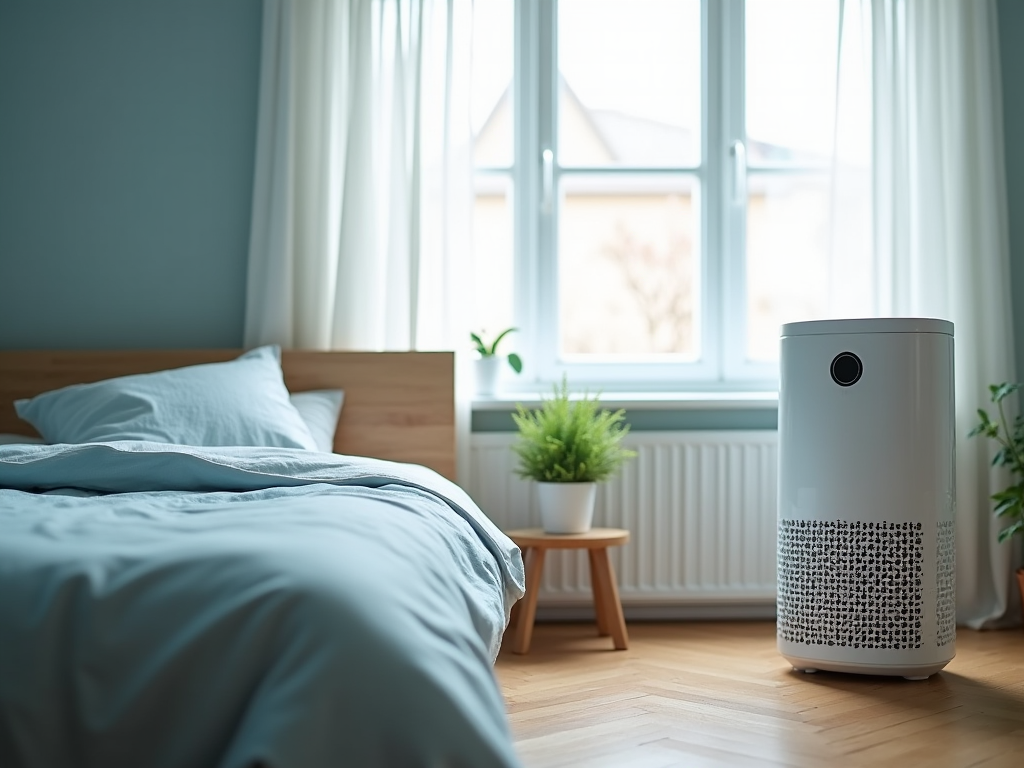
[[700, 507]]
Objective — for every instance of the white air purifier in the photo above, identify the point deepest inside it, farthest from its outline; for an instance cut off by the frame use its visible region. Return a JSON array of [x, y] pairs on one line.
[[866, 529]]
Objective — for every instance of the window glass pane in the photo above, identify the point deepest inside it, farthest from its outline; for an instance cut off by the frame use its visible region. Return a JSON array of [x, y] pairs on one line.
[[491, 96], [492, 248], [628, 266], [791, 49], [787, 248], [629, 82]]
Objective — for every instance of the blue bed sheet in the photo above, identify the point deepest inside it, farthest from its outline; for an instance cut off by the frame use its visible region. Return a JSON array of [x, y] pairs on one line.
[[179, 606]]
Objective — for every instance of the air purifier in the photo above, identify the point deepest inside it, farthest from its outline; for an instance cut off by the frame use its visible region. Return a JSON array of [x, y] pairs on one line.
[[866, 517]]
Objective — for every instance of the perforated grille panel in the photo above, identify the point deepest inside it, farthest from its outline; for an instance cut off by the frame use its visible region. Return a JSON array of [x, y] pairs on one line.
[[850, 584], [945, 598]]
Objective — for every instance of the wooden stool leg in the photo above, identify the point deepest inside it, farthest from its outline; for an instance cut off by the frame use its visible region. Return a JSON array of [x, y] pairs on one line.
[[610, 594], [517, 608], [600, 613], [524, 625]]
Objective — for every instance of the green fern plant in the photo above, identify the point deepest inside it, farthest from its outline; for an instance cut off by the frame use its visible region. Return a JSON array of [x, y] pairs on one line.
[[491, 350], [1009, 503], [570, 441]]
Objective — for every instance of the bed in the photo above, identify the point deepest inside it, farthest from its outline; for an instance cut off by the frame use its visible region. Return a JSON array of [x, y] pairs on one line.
[[252, 602]]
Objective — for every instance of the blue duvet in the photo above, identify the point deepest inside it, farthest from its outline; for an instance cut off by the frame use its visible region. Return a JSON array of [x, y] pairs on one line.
[[177, 606]]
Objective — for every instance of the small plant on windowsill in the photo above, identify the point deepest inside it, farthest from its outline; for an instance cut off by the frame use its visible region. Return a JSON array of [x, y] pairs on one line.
[[568, 446], [489, 364], [1009, 502]]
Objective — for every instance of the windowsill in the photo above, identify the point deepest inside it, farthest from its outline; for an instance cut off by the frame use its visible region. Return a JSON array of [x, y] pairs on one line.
[[660, 401]]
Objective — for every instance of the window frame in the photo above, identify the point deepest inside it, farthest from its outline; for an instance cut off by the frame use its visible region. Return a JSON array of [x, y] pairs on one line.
[[721, 239]]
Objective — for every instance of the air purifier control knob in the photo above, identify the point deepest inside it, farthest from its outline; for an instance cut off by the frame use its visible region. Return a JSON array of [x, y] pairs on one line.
[[846, 369]]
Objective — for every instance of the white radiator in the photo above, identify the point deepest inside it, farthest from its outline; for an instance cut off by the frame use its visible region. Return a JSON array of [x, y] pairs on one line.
[[701, 510]]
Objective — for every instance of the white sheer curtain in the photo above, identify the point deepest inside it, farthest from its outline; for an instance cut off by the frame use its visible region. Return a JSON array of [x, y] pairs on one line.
[[361, 230], [941, 238], [851, 276]]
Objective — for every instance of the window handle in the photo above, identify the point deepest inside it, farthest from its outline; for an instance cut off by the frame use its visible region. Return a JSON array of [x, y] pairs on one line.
[[548, 162], [739, 173]]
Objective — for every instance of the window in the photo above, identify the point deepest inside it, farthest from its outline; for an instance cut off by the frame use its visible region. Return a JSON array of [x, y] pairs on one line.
[[657, 184]]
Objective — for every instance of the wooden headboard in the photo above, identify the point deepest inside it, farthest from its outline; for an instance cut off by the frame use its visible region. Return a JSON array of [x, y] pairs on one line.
[[398, 405]]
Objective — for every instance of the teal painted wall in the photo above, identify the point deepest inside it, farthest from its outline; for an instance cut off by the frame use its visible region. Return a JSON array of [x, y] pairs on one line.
[[1011, 52], [127, 137]]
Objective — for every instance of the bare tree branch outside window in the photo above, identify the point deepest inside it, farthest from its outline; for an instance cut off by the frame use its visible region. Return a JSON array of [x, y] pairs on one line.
[[660, 281]]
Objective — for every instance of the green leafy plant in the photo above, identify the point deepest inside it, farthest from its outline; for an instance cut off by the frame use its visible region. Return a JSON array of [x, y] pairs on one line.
[[491, 350], [570, 441], [1009, 503]]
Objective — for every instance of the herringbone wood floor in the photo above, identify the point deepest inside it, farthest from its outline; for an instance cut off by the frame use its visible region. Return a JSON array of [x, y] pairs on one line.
[[718, 694]]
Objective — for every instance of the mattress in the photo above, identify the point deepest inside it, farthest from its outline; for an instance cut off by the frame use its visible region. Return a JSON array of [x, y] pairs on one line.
[[178, 606]]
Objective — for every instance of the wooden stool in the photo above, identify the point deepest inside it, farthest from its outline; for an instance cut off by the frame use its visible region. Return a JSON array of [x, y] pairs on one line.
[[534, 543]]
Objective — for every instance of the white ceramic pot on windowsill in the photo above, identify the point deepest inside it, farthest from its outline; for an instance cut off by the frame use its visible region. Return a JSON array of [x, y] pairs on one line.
[[488, 370], [566, 507]]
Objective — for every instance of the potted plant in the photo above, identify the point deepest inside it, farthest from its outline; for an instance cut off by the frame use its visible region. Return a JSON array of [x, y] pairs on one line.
[[488, 367], [568, 446], [1009, 503]]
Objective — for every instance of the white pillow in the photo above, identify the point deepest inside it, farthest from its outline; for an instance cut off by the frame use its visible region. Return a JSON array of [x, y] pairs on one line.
[[320, 409], [240, 402]]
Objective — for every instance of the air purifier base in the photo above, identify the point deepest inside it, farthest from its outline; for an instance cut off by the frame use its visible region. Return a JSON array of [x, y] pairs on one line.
[[909, 671]]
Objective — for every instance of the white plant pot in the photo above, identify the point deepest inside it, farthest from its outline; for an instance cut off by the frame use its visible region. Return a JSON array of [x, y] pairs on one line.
[[487, 373], [566, 507]]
